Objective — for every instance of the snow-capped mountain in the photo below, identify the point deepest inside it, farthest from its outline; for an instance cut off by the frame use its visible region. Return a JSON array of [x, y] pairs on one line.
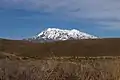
[[55, 34]]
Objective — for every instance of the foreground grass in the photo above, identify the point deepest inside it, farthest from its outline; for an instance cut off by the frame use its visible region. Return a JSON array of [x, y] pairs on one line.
[[61, 69]]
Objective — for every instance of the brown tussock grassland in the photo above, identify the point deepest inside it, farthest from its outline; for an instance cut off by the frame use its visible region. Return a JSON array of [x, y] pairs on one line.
[[63, 60]]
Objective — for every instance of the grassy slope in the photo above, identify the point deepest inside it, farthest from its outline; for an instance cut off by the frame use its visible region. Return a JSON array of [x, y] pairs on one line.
[[100, 47]]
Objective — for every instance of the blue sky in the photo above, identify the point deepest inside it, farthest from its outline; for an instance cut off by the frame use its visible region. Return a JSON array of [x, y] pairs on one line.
[[25, 18]]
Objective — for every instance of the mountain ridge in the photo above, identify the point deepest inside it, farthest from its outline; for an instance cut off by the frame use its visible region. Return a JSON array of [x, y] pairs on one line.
[[56, 34]]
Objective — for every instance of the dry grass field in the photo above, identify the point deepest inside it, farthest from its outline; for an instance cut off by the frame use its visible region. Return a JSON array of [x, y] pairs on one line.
[[64, 60], [51, 69]]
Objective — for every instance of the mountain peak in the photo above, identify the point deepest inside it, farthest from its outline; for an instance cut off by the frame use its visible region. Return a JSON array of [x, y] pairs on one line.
[[56, 34]]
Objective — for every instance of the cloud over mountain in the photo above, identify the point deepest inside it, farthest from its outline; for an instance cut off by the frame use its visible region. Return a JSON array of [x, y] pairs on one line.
[[101, 12]]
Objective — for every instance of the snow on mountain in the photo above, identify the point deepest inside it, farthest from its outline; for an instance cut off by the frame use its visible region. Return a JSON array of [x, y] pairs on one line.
[[55, 34]]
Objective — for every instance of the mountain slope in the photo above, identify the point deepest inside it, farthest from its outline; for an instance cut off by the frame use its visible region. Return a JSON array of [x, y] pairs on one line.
[[55, 34]]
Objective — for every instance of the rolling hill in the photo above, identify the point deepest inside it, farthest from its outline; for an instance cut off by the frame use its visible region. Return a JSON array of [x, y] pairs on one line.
[[84, 47]]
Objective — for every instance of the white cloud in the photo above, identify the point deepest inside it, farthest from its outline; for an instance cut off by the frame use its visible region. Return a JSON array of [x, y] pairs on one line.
[[105, 12], [110, 25]]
